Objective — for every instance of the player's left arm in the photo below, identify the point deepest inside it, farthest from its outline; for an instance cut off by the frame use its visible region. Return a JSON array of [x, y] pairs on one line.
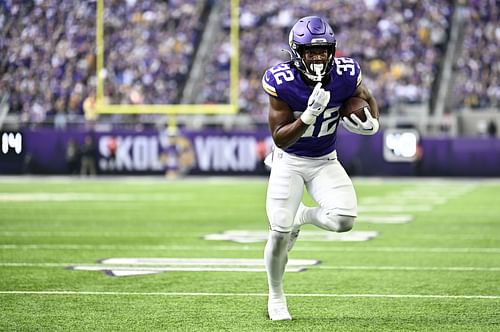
[[363, 92]]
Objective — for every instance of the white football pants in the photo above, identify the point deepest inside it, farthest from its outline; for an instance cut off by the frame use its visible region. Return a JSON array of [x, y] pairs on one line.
[[325, 180]]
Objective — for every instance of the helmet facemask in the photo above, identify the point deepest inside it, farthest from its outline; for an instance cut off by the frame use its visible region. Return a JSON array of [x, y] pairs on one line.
[[313, 35], [316, 60]]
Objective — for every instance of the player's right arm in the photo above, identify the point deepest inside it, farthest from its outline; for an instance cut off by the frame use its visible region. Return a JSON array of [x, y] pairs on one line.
[[285, 129]]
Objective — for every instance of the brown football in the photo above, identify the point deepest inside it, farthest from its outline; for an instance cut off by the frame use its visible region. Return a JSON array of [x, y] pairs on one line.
[[354, 105]]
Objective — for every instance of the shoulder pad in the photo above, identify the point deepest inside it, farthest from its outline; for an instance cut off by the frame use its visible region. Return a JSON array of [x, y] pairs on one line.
[[269, 83]]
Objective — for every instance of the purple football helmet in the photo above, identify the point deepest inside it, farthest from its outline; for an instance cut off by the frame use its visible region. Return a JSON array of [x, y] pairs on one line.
[[312, 31]]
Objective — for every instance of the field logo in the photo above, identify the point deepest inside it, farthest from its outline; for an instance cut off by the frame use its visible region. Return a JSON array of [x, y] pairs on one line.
[[121, 267], [247, 236]]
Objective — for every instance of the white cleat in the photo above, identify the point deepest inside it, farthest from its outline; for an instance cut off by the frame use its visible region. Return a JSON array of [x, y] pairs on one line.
[[278, 311]]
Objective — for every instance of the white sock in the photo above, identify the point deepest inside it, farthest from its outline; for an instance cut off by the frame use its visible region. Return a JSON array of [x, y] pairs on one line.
[[276, 257], [305, 215], [324, 219]]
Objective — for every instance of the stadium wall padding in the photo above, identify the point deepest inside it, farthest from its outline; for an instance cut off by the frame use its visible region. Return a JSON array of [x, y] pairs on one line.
[[217, 152]]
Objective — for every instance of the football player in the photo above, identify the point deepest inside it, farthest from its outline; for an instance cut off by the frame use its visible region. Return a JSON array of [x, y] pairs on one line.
[[304, 96]]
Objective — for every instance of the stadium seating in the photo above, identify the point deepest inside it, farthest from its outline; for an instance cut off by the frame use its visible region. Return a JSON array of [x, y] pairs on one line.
[[478, 70], [150, 46], [50, 67], [398, 64]]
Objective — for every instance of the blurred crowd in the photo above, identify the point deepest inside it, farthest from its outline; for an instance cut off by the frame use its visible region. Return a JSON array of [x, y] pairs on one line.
[[149, 47], [50, 61], [48, 47], [397, 43], [48, 56], [478, 68]]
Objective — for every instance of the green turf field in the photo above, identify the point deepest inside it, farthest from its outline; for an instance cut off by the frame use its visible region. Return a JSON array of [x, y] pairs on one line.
[[433, 266]]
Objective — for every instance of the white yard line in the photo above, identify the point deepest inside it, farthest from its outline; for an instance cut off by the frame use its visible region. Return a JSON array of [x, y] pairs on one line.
[[236, 248], [166, 234], [22, 264], [385, 219], [159, 179], [394, 208], [419, 198], [424, 181], [131, 180], [260, 261], [88, 196], [403, 249], [412, 268], [399, 201], [152, 269], [159, 234], [201, 261], [191, 294]]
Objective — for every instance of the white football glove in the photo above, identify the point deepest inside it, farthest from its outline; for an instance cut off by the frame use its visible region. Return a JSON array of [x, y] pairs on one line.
[[368, 127], [318, 100]]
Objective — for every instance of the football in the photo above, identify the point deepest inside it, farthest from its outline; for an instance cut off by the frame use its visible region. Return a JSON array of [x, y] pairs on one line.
[[354, 105]]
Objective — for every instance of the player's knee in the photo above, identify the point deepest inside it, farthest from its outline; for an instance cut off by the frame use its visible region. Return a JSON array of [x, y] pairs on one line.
[[281, 220], [345, 223], [338, 223], [279, 237]]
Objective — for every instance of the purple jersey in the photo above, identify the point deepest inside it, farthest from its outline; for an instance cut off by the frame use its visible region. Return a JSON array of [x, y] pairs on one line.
[[284, 81]]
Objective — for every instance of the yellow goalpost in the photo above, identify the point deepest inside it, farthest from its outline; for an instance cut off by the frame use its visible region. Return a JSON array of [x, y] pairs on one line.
[[169, 109]]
